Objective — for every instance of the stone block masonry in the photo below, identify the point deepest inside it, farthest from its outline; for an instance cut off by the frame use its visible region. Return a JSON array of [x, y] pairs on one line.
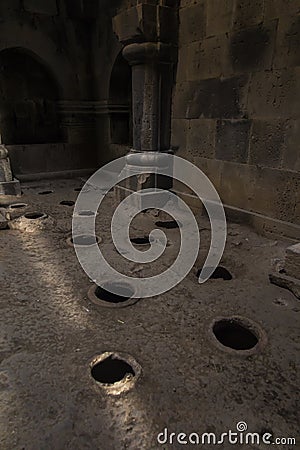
[[236, 100]]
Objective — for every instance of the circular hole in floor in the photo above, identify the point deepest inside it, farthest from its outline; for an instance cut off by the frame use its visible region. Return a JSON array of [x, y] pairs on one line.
[[121, 292], [34, 216], [168, 224], [220, 273], [18, 205], [233, 334], [144, 240], [85, 213], [67, 203], [112, 370], [84, 240], [45, 192]]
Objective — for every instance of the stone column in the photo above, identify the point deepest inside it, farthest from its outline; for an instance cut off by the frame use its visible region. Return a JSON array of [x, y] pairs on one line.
[[9, 186], [149, 35]]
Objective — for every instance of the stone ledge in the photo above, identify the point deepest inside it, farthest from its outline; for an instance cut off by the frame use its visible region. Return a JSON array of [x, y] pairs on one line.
[[284, 281]]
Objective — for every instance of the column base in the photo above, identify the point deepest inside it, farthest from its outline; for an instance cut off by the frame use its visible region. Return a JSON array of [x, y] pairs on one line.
[[9, 190], [142, 171]]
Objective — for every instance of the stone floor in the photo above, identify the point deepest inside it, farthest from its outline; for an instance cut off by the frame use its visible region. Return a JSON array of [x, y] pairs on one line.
[[51, 332]]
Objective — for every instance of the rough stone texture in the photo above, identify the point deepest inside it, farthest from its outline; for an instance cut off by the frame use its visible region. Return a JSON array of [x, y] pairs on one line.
[[3, 219], [240, 69], [51, 332], [48, 7], [292, 261], [267, 143], [232, 140], [287, 274]]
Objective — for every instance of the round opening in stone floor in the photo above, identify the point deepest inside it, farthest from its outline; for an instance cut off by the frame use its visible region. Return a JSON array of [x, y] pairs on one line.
[[18, 205], [35, 216], [143, 240], [115, 372], [67, 203], [167, 224], [234, 334], [112, 370], [84, 240], [45, 192], [114, 292], [220, 273]]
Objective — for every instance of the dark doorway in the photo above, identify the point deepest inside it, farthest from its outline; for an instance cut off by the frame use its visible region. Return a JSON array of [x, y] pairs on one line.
[[120, 101]]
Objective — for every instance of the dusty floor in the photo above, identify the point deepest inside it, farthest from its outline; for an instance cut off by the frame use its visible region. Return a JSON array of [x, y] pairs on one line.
[[50, 332]]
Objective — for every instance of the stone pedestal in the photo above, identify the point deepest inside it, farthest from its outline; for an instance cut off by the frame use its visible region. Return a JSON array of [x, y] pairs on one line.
[[149, 34], [9, 186]]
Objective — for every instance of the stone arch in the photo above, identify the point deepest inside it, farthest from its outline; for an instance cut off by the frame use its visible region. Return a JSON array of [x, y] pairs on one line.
[[28, 99], [13, 35]]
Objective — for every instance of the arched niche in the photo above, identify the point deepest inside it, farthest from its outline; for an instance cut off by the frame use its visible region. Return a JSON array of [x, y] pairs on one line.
[[28, 99], [120, 103]]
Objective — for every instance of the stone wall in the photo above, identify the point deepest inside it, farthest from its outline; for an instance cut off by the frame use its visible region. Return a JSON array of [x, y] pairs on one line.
[[46, 82], [236, 106]]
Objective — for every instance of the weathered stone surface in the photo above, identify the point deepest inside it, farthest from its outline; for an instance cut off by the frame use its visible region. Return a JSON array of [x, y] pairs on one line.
[[5, 170], [272, 94], [201, 137], [280, 8], [207, 58], [292, 261], [219, 17], [248, 12], [232, 140], [288, 42], [48, 7], [291, 154], [219, 98], [252, 49], [267, 142], [179, 134], [289, 274], [284, 281], [192, 23], [3, 220]]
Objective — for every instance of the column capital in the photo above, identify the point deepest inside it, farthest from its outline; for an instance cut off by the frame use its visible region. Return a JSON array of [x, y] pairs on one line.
[[141, 53], [147, 23]]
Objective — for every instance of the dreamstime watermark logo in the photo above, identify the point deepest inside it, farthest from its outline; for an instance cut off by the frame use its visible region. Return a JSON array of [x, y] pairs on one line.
[[240, 436], [115, 172]]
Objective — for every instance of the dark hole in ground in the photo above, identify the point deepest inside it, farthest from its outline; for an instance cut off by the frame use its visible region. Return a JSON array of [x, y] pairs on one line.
[[86, 213], [231, 333], [219, 273], [45, 192], [122, 292], [141, 240], [111, 370], [18, 205], [67, 203], [33, 216], [169, 224], [84, 240]]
